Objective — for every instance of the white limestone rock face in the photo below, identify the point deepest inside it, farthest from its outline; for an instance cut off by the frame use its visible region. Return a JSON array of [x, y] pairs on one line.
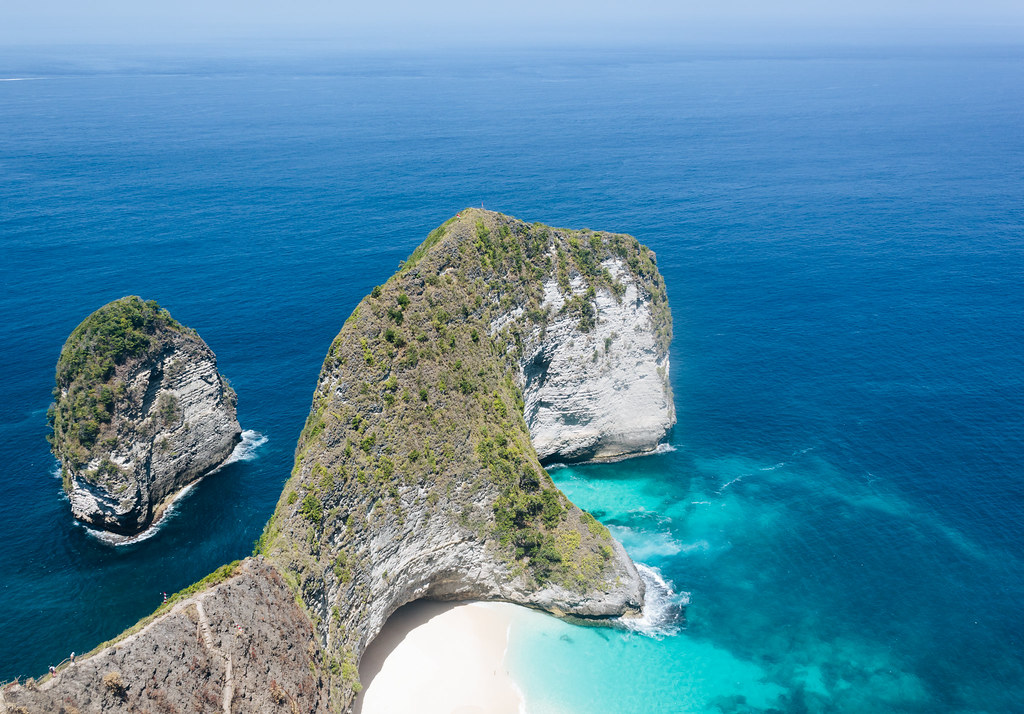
[[429, 556], [171, 422], [601, 394]]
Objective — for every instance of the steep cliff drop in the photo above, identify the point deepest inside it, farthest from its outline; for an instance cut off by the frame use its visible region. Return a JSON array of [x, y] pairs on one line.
[[415, 475], [594, 369], [140, 413]]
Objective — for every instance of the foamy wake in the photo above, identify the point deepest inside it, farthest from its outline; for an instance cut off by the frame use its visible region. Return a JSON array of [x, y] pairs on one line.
[[663, 449], [739, 478], [664, 609], [245, 450], [730, 483]]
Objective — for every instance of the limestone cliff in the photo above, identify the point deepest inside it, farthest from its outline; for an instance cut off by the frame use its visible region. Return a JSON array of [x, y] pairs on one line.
[[415, 476], [602, 392], [140, 412]]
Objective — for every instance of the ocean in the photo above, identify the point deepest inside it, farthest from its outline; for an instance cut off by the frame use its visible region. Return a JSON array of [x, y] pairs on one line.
[[839, 520]]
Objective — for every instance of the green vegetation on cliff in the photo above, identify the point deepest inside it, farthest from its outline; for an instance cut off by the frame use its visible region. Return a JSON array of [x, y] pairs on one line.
[[414, 475], [417, 410], [87, 383]]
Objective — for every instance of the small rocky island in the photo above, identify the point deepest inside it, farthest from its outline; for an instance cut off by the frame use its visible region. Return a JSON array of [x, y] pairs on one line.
[[141, 412], [418, 475]]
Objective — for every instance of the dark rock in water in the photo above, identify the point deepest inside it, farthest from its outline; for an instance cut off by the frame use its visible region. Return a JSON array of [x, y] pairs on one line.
[[140, 413]]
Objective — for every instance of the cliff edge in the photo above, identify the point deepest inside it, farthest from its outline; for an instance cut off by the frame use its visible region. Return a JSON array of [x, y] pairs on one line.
[[415, 475], [141, 412], [593, 362]]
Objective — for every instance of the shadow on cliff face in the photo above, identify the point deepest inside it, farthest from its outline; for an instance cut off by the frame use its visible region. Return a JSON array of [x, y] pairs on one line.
[[403, 621]]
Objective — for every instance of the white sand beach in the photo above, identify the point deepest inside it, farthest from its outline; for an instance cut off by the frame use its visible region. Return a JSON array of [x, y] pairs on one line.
[[440, 658]]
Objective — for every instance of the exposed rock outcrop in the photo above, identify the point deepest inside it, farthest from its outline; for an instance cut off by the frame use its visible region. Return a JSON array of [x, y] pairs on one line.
[[140, 413], [241, 646], [415, 476], [603, 393]]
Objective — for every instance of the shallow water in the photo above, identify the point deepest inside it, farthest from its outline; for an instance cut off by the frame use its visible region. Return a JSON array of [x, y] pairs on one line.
[[841, 239]]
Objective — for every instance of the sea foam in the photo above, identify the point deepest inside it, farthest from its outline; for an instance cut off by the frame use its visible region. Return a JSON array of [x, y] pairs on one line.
[[246, 449], [664, 611], [117, 539]]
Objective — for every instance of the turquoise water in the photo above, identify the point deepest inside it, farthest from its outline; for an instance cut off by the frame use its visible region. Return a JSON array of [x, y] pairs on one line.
[[841, 236], [773, 621]]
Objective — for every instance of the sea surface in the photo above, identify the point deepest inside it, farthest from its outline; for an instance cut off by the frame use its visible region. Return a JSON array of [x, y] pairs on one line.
[[841, 518]]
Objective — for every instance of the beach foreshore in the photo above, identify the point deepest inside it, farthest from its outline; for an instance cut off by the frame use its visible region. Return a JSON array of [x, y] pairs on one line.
[[440, 658]]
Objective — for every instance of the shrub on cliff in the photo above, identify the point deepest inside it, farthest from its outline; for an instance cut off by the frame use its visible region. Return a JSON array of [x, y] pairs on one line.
[[86, 371], [108, 337], [429, 332]]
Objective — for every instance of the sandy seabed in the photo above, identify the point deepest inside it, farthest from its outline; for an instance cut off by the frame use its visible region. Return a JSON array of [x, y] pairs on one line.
[[440, 658]]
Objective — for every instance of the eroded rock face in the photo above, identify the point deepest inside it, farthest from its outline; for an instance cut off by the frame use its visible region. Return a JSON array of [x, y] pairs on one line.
[[600, 394], [416, 476], [136, 422]]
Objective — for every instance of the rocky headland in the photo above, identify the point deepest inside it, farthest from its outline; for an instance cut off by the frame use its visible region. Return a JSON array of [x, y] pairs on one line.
[[140, 413], [416, 475]]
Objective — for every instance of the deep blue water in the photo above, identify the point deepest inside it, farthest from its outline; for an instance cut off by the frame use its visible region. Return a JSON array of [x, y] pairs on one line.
[[842, 241]]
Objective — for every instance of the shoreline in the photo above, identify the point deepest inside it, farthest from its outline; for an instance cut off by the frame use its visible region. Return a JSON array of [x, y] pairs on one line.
[[663, 447], [440, 658], [163, 510]]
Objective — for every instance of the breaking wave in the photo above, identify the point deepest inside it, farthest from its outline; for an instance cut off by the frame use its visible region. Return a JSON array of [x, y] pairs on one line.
[[245, 450], [116, 539], [664, 609]]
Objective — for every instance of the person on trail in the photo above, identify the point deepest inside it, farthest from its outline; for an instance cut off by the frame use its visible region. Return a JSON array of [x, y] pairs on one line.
[[72, 658], [53, 671]]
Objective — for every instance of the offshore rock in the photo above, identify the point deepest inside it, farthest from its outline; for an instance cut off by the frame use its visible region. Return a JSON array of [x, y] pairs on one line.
[[141, 412], [415, 475]]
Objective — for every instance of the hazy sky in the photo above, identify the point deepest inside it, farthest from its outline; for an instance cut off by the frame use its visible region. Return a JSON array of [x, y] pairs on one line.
[[440, 23]]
